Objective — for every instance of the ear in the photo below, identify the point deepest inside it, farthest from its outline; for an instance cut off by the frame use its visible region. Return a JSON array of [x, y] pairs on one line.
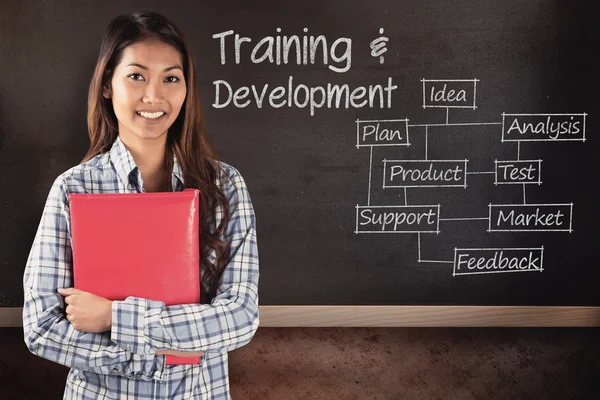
[[106, 92]]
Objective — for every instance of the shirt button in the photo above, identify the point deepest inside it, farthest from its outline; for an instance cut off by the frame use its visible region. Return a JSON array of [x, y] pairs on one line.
[[115, 369]]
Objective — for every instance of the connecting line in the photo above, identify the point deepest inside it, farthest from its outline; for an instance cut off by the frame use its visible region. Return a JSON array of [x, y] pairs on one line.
[[459, 124], [465, 219], [405, 196], [426, 132], [524, 202], [436, 262], [370, 171], [480, 172], [519, 150], [447, 112], [428, 261]]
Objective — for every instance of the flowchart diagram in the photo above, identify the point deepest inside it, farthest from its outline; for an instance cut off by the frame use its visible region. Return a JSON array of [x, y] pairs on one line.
[[429, 174]]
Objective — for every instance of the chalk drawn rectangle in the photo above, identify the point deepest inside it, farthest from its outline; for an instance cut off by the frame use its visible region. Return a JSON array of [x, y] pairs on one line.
[[526, 213], [499, 179], [538, 127], [369, 213], [449, 93], [388, 176], [499, 260], [384, 132]]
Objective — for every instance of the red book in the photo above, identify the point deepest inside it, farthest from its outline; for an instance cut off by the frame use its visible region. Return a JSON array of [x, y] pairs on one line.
[[138, 244]]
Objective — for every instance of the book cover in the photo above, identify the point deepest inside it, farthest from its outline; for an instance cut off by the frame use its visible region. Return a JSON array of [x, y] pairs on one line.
[[138, 244]]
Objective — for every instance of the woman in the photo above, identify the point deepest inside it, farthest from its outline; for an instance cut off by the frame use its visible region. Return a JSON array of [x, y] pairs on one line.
[[146, 133]]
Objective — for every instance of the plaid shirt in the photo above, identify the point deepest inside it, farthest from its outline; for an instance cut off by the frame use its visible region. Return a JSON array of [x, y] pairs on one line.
[[120, 363]]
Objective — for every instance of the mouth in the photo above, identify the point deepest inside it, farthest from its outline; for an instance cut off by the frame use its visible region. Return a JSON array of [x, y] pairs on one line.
[[151, 116]]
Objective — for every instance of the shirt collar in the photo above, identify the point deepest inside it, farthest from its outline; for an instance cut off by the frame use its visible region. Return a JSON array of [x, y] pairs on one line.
[[177, 175], [125, 165]]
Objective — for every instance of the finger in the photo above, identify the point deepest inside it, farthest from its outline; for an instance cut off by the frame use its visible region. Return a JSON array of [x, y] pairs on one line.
[[69, 309], [70, 291]]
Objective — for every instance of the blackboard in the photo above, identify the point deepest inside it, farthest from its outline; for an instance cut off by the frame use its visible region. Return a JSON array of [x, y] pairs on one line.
[[471, 137]]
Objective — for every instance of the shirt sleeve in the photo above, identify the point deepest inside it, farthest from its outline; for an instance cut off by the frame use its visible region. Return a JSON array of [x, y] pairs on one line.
[[47, 332], [230, 321]]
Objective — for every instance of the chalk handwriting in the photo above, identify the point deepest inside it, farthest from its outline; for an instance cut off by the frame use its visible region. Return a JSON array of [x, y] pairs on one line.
[[303, 96], [285, 49]]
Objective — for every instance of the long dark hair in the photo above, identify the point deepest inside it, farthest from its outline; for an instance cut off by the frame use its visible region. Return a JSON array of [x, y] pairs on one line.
[[186, 138]]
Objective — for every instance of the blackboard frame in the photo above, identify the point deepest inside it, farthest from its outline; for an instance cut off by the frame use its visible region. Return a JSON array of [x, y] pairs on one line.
[[404, 316]]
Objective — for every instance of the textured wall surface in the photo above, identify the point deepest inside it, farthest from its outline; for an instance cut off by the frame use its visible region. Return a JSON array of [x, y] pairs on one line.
[[374, 363]]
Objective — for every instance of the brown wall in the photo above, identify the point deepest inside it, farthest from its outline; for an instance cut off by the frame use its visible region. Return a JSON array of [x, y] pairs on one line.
[[374, 363]]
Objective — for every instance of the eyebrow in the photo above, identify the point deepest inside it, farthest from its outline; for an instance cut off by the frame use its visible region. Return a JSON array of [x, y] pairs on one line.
[[146, 68]]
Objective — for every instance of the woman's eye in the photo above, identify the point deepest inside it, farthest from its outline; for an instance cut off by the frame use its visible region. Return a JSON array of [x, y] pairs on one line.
[[138, 77]]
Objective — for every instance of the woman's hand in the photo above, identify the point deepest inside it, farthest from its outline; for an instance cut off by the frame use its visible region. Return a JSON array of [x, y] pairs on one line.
[[86, 311], [90, 313]]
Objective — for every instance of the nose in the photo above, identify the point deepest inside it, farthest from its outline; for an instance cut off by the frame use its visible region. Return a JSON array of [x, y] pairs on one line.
[[153, 93]]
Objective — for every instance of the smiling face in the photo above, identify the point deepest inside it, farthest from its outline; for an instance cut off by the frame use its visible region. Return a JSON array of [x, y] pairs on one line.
[[147, 90]]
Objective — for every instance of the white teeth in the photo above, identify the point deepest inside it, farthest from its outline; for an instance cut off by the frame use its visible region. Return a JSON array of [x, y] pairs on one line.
[[151, 115]]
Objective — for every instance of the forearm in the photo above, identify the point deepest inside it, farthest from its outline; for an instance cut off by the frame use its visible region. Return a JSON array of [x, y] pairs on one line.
[[150, 326], [50, 335]]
